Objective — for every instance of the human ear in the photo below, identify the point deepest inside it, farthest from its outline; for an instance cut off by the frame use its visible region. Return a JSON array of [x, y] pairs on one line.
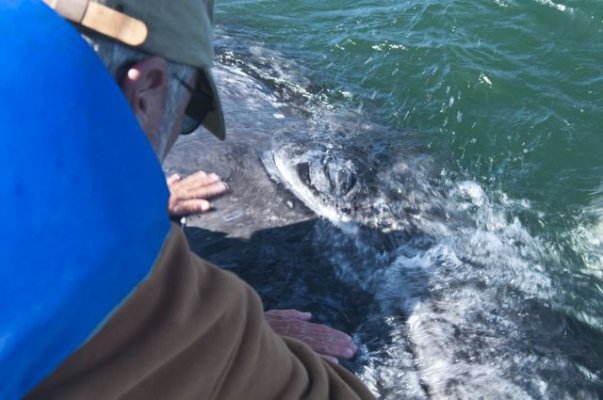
[[145, 88]]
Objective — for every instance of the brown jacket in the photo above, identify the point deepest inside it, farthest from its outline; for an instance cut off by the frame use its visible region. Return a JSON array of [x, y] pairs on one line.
[[193, 331]]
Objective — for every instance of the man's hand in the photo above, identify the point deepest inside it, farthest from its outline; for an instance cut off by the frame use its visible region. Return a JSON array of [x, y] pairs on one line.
[[189, 195], [328, 342]]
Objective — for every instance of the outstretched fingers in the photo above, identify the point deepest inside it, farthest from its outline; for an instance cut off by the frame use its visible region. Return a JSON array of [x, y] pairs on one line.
[[321, 338], [188, 207], [328, 341], [288, 314], [190, 195], [200, 185]]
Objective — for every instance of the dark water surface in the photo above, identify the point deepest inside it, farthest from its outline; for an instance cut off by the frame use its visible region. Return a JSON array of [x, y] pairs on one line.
[[425, 175]]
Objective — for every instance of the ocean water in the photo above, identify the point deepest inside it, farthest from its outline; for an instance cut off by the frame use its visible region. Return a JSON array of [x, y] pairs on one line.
[[453, 151]]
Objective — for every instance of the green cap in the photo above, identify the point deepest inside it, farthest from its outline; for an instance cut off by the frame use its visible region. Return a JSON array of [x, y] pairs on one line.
[[180, 31]]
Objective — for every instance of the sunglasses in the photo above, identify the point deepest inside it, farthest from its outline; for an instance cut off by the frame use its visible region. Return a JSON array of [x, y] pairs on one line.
[[199, 105]]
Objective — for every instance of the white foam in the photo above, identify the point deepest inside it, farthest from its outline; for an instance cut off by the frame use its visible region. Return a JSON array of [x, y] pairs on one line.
[[452, 299]]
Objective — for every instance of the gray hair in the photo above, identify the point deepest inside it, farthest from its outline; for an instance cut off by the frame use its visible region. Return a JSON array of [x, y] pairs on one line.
[[117, 56]]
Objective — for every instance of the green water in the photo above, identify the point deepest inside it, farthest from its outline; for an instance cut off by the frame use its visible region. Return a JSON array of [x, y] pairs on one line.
[[507, 93], [510, 93]]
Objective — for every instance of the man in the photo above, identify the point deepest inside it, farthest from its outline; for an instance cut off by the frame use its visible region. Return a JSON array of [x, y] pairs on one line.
[[149, 83], [191, 330]]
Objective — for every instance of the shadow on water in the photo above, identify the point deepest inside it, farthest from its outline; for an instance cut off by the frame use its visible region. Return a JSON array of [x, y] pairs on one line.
[[295, 266], [291, 267]]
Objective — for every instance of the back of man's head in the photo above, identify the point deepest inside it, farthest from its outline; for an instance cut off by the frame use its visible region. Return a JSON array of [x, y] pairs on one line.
[[180, 31]]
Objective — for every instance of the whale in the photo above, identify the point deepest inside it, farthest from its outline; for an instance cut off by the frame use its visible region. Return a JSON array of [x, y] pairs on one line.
[[329, 212]]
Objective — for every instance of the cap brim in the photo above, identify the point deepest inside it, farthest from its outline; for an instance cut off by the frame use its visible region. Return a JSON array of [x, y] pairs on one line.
[[214, 120]]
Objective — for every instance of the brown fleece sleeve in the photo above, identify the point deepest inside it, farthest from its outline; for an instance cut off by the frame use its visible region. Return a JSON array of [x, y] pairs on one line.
[[193, 331]]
